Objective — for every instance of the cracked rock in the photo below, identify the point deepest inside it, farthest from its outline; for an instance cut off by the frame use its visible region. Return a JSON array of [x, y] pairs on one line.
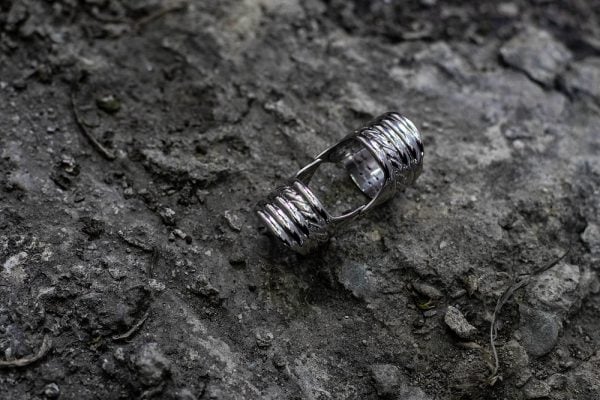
[[537, 53]]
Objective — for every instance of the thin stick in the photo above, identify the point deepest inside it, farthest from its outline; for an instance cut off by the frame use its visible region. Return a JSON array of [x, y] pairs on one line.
[[493, 331], [160, 13], [23, 362], [133, 329], [80, 124]]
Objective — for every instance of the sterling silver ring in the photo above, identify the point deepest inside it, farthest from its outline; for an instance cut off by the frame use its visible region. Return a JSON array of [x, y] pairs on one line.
[[382, 158]]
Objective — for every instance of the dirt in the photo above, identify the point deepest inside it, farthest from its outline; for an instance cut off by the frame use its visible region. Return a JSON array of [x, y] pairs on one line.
[[136, 138]]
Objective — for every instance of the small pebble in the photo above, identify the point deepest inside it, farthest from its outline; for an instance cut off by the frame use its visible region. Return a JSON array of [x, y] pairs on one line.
[[419, 322], [233, 220], [264, 339], [427, 290], [108, 103], [279, 361], [51, 391], [510, 10], [457, 322], [167, 215]]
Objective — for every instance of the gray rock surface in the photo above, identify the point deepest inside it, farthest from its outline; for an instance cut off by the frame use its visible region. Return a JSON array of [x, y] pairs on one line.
[[582, 78], [537, 53], [137, 136]]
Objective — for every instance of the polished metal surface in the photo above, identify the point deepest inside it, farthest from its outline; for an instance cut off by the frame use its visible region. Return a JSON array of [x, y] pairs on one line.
[[382, 158]]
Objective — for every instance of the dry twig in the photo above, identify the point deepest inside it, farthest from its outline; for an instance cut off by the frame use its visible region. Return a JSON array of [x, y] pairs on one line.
[[133, 329], [516, 284], [109, 155], [168, 8], [23, 362]]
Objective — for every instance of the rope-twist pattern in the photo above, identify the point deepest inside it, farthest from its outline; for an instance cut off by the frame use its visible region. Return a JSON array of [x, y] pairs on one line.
[[383, 157], [399, 139]]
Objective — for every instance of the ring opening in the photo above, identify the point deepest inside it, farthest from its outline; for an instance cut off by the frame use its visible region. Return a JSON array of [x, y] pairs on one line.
[[361, 165]]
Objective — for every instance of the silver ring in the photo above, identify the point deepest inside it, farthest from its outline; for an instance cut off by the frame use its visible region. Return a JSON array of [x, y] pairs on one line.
[[382, 158]]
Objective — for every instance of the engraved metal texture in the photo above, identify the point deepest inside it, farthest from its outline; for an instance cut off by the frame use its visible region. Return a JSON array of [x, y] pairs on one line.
[[382, 158]]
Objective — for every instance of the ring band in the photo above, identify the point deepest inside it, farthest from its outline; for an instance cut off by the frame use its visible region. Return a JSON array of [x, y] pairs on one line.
[[382, 158]]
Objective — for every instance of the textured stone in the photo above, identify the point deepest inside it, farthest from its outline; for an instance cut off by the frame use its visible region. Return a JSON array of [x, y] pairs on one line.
[[537, 53], [427, 290], [582, 78], [457, 322], [557, 288], [539, 330]]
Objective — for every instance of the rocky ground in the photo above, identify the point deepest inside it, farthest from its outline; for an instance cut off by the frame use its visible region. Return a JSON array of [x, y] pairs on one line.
[[137, 136]]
